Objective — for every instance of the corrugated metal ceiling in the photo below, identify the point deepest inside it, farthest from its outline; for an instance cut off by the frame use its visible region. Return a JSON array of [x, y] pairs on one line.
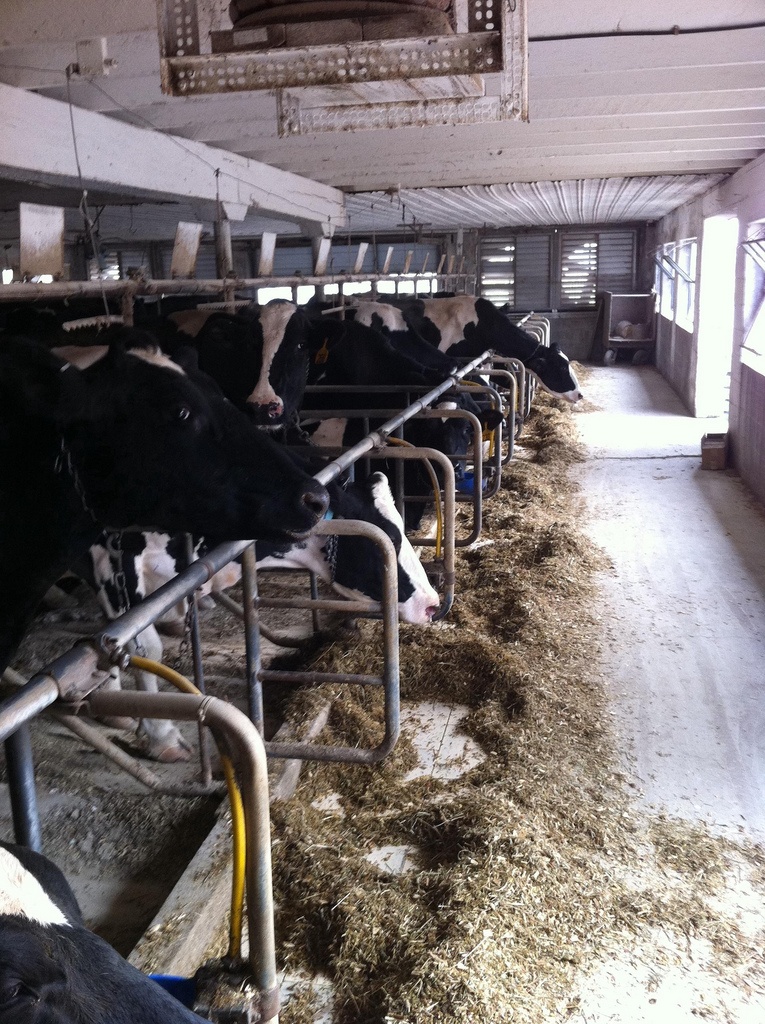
[[527, 204]]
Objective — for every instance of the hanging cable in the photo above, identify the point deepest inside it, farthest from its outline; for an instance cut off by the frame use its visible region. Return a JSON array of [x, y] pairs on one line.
[[89, 227]]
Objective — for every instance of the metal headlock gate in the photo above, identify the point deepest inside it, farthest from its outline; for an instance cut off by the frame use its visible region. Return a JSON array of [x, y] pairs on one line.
[[70, 684]]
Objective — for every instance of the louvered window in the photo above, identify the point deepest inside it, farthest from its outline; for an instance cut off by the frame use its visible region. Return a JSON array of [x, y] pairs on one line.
[[563, 268], [578, 270]]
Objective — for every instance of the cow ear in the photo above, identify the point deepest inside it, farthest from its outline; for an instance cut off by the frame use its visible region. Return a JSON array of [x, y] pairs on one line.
[[486, 310], [80, 356], [555, 347], [33, 379]]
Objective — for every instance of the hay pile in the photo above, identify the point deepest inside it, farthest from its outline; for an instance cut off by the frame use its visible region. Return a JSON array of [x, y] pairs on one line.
[[531, 865]]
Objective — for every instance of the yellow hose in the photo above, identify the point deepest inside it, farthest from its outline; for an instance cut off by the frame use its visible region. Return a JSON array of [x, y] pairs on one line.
[[235, 800], [436, 493], [487, 435]]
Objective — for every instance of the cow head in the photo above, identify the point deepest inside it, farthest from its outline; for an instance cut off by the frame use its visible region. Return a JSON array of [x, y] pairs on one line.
[[62, 974], [154, 446], [52, 969], [359, 568], [552, 369], [258, 356]]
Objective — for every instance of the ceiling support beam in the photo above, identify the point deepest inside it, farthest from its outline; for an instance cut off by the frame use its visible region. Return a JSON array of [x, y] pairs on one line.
[[36, 144]]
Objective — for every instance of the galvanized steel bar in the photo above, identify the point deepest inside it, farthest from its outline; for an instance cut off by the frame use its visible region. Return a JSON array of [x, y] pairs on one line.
[[250, 603], [30, 291], [198, 666], [20, 768], [390, 674], [244, 741]]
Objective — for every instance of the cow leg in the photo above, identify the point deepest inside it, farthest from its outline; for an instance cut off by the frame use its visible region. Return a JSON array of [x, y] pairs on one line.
[[115, 721], [158, 738]]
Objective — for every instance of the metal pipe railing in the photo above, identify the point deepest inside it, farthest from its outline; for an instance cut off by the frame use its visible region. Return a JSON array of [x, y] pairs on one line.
[[242, 739]]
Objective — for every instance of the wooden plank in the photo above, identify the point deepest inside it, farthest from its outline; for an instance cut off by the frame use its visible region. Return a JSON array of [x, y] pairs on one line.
[[358, 266], [42, 240], [160, 166], [322, 256], [185, 249], [267, 251]]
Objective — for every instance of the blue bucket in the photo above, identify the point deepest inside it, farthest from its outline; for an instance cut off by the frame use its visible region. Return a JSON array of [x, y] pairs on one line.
[[182, 989], [467, 484]]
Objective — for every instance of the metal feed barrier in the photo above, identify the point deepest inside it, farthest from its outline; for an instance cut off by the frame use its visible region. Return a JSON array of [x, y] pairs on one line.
[[72, 682]]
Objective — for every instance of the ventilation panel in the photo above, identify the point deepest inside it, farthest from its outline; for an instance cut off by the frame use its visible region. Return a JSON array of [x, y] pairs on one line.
[[343, 65]]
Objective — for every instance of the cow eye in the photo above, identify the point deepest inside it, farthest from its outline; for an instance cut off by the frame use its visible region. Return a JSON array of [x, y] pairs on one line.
[[10, 991], [184, 413]]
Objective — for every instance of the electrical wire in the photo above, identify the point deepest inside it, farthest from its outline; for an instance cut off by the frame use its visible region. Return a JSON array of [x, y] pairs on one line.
[[95, 247]]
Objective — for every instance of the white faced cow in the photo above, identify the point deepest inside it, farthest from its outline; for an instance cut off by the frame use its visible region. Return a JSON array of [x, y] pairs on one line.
[[53, 970], [258, 356]]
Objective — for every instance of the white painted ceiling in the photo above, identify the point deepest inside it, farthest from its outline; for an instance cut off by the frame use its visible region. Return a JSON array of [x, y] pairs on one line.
[[628, 118]]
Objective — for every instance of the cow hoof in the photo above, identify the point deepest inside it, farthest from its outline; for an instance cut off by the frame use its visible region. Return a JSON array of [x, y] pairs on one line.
[[165, 750], [117, 722]]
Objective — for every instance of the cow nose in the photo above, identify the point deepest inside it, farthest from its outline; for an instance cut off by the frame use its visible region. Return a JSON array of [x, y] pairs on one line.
[[316, 500], [430, 611], [275, 409]]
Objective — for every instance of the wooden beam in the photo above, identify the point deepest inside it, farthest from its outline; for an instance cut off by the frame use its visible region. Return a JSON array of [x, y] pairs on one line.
[[145, 164]]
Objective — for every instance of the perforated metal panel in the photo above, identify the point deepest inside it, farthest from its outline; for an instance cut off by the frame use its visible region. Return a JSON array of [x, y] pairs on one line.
[[331, 64], [496, 43]]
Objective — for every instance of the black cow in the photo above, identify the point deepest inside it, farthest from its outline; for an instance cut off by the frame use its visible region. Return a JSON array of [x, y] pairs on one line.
[[464, 325], [258, 356], [53, 970], [349, 352], [105, 437]]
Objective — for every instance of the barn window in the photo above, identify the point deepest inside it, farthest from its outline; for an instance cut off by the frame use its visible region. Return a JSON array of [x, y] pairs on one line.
[[557, 269], [666, 275], [685, 259], [675, 281], [753, 348]]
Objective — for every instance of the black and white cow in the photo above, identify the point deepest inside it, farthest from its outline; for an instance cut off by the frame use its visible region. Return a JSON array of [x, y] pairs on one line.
[[351, 565], [126, 439], [465, 325], [349, 352], [53, 970], [258, 356]]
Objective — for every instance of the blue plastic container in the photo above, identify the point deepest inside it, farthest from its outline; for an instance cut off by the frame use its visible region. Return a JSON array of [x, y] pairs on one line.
[[182, 989], [467, 484]]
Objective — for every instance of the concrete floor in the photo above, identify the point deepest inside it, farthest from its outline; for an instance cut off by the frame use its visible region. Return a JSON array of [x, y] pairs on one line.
[[684, 611]]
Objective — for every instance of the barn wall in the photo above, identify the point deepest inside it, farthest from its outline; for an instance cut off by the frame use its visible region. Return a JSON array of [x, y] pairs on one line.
[[748, 441], [675, 347], [741, 196], [574, 332]]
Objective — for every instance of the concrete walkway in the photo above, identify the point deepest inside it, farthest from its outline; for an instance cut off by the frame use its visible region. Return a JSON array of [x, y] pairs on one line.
[[684, 611]]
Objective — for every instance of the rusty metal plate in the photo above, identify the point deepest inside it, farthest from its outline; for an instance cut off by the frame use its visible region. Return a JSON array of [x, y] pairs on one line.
[[333, 64], [294, 119]]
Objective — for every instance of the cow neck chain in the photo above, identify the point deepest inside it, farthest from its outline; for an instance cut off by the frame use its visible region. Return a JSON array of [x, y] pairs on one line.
[[116, 556], [63, 462], [295, 425], [115, 551], [185, 645], [530, 357], [330, 553]]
